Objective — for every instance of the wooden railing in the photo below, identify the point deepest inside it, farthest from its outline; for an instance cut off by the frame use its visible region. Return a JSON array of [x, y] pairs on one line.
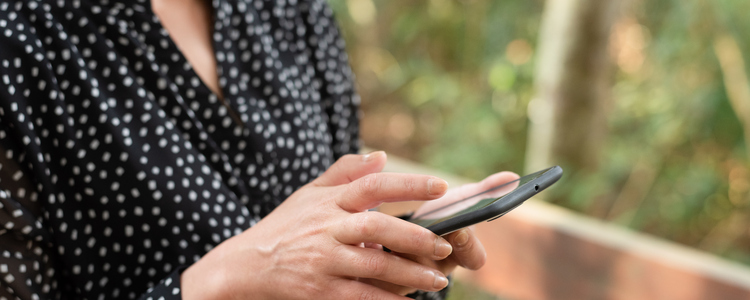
[[540, 251]]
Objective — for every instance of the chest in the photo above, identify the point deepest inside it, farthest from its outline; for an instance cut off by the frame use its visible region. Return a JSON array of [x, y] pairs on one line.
[[127, 87]]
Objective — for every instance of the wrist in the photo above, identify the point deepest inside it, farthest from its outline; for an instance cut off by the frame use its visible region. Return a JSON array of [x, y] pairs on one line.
[[203, 280]]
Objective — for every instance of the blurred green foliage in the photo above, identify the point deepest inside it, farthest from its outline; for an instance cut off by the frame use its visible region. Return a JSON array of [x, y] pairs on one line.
[[436, 85], [447, 83], [465, 291]]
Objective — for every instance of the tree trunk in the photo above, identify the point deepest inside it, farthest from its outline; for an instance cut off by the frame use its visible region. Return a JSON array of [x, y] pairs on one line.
[[573, 85]]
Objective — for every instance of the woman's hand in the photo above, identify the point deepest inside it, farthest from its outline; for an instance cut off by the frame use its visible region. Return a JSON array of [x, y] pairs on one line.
[[468, 251], [310, 246]]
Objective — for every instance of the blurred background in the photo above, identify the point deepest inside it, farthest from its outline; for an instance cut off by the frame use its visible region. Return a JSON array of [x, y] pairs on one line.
[[645, 104]]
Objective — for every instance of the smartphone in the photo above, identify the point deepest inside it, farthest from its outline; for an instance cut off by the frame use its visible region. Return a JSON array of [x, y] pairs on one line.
[[487, 205]]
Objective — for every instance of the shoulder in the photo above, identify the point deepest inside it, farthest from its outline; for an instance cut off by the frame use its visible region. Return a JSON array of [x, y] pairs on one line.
[[36, 36], [28, 27], [18, 29]]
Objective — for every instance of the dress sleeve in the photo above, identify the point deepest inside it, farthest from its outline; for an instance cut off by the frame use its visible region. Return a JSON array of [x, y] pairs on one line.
[[27, 264], [31, 266]]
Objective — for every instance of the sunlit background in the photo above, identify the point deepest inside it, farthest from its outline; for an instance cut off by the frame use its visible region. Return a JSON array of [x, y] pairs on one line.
[[448, 83]]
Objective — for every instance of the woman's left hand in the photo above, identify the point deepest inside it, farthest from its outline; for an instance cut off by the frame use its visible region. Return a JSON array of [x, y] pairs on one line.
[[468, 251]]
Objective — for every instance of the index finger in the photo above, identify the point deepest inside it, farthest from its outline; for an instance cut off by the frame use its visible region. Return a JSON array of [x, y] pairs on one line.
[[351, 167], [373, 189]]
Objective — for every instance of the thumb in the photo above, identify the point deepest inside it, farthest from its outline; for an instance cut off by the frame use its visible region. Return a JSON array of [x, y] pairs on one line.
[[352, 167]]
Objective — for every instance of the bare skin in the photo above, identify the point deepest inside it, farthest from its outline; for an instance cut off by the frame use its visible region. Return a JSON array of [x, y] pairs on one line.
[[310, 246], [190, 26]]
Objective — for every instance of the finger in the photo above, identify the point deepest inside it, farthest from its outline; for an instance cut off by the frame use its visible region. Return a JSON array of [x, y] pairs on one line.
[[445, 266], [393, 233], [467, 249], [351, 289], [373, 189], [427, 262], [351, 167], [375, 264], [375, 246]]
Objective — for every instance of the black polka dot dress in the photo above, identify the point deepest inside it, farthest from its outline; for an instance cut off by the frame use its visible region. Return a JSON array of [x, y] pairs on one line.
[[119, 167]]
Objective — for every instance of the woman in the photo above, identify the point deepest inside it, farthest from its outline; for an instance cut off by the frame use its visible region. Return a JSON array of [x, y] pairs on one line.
[[177, 148]]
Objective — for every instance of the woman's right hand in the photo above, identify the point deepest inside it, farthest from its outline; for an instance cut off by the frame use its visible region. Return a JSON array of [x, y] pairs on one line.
[[310, 246]]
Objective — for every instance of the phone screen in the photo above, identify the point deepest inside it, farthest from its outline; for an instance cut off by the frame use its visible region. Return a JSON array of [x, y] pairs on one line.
[[474, 202]]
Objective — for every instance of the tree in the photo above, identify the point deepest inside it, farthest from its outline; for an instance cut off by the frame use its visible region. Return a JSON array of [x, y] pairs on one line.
[[573, 85]]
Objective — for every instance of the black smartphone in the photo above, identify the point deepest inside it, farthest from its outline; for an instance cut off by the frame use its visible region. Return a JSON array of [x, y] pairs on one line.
[[487, 205]]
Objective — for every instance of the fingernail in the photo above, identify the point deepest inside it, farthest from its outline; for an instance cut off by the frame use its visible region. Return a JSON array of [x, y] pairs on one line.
[[461, 239], [436, 186], [371, 156], [440, 281], [442, 248]]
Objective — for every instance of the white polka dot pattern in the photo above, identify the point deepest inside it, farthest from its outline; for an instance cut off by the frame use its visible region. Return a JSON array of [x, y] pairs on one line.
[[119, 167]]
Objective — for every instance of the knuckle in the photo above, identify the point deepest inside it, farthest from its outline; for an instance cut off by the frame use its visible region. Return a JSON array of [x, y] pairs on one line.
[[369, 184], [367, 225], [376, 265], [410, 185], [312, 288], [337, 254], [422, 238]]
